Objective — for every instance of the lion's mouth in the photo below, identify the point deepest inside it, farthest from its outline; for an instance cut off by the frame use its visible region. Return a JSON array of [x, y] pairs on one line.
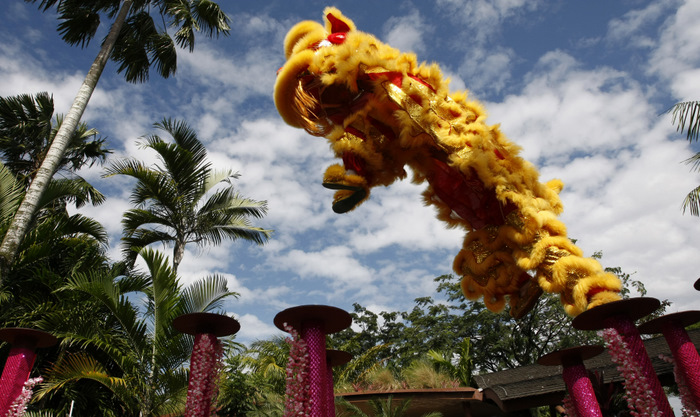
[[347, 196], [321, 107]]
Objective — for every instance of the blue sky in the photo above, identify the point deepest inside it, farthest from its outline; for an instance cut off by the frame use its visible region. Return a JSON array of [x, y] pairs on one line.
[[581, 86]]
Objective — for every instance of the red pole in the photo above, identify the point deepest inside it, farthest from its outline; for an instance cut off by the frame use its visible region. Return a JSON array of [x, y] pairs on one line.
[[630, 335], [19, 363], [17, 369], [581, 390], [315, 338]]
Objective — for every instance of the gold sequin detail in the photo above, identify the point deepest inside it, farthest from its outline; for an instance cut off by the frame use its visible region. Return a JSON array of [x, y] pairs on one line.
[[479, 251]]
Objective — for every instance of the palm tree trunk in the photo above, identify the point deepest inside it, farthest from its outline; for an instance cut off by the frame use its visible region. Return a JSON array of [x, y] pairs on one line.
[[178, 254], [20, 223]]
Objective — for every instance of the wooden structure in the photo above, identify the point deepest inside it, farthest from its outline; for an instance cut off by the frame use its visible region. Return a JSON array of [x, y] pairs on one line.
[[513, 391]]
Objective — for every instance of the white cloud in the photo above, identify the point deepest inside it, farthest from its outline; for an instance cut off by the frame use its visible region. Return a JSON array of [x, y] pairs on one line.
[[281, 165], [22, 74], [249, 75], [564, 110], [487, 69], [484, 18], [252, 329], [396, 216], [678, 55], [632, 28], [407, 33], [336, 263]]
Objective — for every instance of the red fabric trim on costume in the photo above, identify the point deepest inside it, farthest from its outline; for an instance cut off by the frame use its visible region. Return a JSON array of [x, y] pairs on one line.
[[395, 78], [594, 291], [467, 196], [382, 128], [355, 163], [420, 80], [356, 132]]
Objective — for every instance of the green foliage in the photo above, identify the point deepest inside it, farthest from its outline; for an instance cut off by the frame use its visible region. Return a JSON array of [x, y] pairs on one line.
[[182, 200], [686, 117], [462, 336], [27, 128], [253, 381], [378, 408], [423, 374], [132, 352], [463, 368], [144, 40]]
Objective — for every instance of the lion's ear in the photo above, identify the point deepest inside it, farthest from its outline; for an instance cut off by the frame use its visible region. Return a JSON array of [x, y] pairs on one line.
[[336, 22], [299, 35]]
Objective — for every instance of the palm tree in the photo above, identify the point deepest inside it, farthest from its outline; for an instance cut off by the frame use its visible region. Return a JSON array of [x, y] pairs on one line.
[[134, 352], [135, 41], [27, 128], [182, 199], [686, 116], [57, 244]]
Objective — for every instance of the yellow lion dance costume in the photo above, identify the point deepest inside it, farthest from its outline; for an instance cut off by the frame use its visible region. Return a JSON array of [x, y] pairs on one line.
[[382, 111]]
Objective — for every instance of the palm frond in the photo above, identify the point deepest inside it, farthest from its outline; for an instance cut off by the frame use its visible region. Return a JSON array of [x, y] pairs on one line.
[[76, 366], [135, 219], [686, 117], [77, 224], [694, 162], [100, 285], [78, 23], [228, 201], [218, 176], [140, 239], [206, 294], [233, 231], [75, 190], [152, 185], [360, 367], [163, 294], [132, 47], [194, 16], [85, 147], [210, 17], [692, 202], [11, 194]]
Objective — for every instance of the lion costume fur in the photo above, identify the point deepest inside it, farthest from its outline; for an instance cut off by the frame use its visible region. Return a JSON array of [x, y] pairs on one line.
[[382, 111]]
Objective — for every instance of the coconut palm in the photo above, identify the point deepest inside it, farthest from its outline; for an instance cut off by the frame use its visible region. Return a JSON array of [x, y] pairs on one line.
[[27, 127], [137, 40], [686, 117], [133, 352], [182, 200], [57, 244]]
